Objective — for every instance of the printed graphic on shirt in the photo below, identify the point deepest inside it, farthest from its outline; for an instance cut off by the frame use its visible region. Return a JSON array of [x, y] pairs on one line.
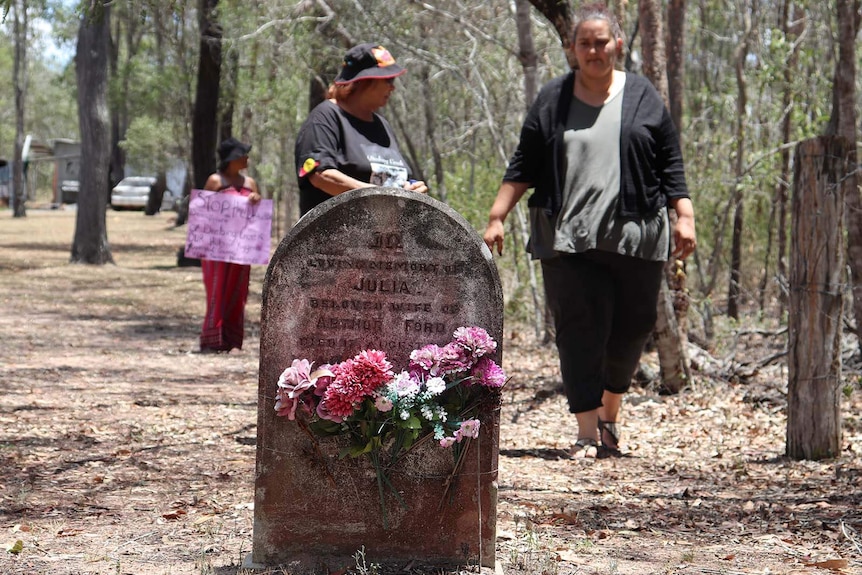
[[387, 166]]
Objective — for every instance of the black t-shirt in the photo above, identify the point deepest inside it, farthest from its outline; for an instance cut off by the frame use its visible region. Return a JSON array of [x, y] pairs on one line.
[[332, 138]]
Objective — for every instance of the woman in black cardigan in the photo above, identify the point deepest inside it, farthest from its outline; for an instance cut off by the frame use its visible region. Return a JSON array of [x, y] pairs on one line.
[[601, 151]]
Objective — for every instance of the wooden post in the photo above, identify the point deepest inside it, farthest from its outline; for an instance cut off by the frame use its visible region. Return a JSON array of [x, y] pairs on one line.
[[817, 262]]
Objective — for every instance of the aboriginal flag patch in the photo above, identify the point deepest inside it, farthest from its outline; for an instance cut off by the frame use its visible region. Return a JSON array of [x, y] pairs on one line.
[[308, 167]]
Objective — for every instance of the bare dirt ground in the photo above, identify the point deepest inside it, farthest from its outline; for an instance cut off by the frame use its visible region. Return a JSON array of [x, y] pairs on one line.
[[123, 452]]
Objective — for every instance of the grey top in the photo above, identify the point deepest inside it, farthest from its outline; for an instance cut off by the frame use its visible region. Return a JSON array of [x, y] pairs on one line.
[[589, 217]]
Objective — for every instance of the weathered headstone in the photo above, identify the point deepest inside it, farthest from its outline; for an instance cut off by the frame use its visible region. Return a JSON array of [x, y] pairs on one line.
[[386, 269]]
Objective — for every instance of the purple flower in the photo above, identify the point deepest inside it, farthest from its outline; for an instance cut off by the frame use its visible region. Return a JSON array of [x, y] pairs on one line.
[[487, 373], [326, 377]]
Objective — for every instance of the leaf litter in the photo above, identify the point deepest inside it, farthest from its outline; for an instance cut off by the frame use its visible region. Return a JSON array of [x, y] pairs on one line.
[[123, 451]]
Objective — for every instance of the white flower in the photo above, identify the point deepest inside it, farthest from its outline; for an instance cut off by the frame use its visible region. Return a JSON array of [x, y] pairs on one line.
[[404, 385], [435, 385]]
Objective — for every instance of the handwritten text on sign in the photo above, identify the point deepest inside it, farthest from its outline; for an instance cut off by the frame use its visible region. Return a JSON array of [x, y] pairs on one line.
[[228, 228]]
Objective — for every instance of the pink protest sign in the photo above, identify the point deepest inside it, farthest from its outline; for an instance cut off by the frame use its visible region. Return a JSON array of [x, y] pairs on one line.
[[228, 228]]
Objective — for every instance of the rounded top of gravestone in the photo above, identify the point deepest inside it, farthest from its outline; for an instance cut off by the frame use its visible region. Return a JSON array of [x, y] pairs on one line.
[[400, 197]]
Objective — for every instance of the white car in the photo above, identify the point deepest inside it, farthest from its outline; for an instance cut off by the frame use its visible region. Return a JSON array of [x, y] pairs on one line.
[[133, 192]]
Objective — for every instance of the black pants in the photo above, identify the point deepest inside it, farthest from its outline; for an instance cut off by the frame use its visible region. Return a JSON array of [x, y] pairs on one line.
[[604, 309]]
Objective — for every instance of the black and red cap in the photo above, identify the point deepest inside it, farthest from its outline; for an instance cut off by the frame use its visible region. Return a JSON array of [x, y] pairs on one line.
[[368, 62]]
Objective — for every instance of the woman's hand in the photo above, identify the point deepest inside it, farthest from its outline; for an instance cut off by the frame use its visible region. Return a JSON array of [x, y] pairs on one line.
[[417, 186], [494, 234], [254, 197], [507, 196], [684, 235]]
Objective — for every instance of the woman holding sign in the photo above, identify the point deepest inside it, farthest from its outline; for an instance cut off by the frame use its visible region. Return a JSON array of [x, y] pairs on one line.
[[345, 144], [227, 283]]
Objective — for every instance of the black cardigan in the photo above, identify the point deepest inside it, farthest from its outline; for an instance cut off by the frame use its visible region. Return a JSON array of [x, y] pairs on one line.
[[650, 157]]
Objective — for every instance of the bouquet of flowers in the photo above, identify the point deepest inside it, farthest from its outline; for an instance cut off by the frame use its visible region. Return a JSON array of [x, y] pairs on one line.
[[439, 395]]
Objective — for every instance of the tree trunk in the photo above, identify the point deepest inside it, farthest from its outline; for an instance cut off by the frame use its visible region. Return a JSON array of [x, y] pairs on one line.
[[205, 117], [677, 276], [205, 112], [431, 134], [675, 61], [560, 15], [19, 85], [652, 44], [734, 288], [816, 299], [90, 245], [229, 96], [793, 26], [542, 322], [118, 157], [844, 122], [670, 340]]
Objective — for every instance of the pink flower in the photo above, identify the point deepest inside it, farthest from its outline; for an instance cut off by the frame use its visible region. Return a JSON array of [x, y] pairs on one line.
[[325, 379], [469, 428], [453, 359], [487, 373], [371, 369], [323, 413], [447, 442], [475, 341], [342, 397], [383, 404], [355, 379], [438, 361], [293, 384], [426, 359]]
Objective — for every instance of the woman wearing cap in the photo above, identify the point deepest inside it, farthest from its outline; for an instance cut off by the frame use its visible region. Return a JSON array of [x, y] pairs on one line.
[[344, 144], [227, 283]]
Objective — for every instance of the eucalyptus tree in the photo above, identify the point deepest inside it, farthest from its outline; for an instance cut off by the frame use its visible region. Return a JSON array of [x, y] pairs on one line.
[[205, 115], [19, 83], [740, 55], [675, 44], [90, 244], [843, 124]]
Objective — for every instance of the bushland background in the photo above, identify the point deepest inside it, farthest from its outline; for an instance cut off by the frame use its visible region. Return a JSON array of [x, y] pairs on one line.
[[125, 452]]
